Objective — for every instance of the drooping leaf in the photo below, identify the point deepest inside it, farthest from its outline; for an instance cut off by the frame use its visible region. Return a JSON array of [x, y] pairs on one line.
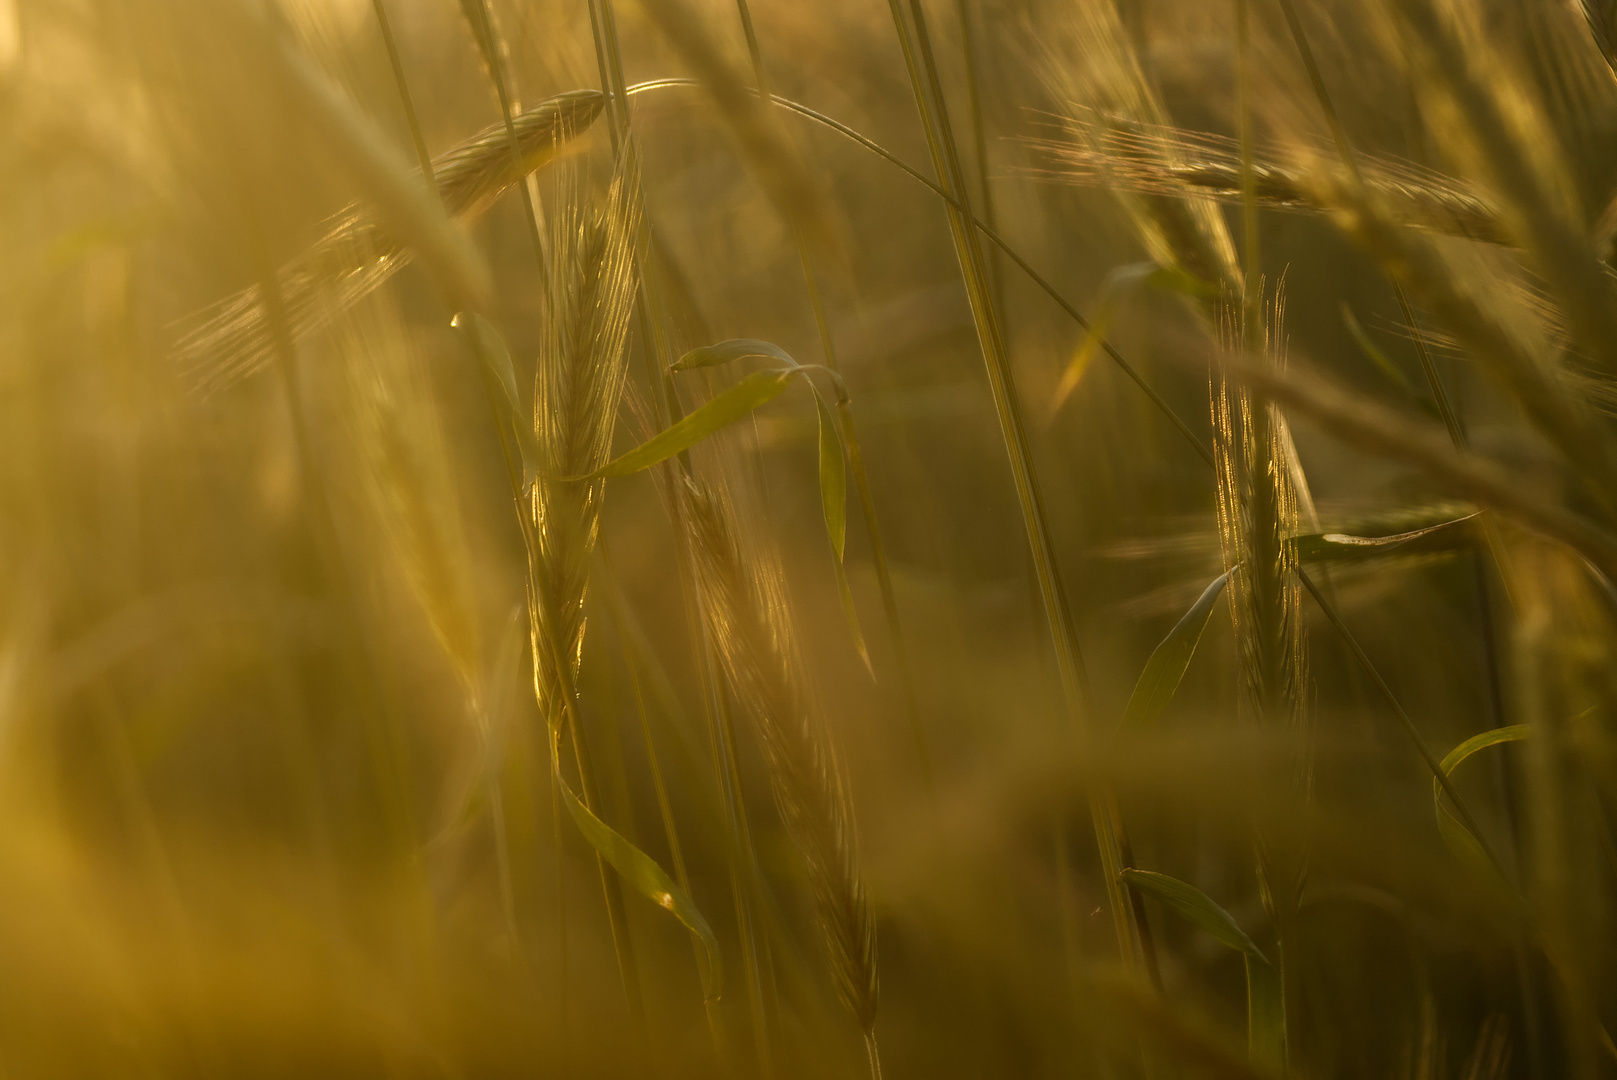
[[1452, 760], [1195, 907], [1368, 346], [640, 871], [734, 349], [1456, 836], [833, 480], [1120, 286], [725, 409], [1373, 351], [1169, 660], [491, 350], [834, 503], [1265, 1001]]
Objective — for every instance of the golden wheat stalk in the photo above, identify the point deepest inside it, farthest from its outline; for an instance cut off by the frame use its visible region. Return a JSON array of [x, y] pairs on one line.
[[1104, 149], [747, 620], [355, 254]]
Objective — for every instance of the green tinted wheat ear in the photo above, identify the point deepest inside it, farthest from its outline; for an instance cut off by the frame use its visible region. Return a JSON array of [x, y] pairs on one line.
[[356, 254], [753, 636]]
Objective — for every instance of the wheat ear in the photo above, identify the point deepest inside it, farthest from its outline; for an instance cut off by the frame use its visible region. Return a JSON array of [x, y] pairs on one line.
[[752, 636], [579, 384], [1103, 149], [355, 255]]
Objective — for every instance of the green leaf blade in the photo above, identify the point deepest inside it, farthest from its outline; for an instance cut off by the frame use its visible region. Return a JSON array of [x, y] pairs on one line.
[[1195, 907], [1120, 287], [641, 872], [1170, 659], [833, 480], [834, 504], [1461, 843], [725, 409], [1318, 547]]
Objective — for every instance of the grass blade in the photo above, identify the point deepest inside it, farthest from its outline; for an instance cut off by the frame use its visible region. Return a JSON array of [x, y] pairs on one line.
[[1318, 547], [1121, 286], [1372, 427], [1194, 906], [640, 871], [1266, 1024], [1265, 1015], [834, 505], [1458, 838], [1166, 667], [725, 409]]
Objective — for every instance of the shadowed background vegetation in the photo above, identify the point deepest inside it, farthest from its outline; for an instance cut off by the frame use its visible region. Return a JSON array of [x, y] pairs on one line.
[[691, 538]]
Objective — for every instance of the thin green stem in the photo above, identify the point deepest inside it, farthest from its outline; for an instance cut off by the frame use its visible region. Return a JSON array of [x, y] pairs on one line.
[[979, 136], [502, 90], [933, 113], [405, 97]]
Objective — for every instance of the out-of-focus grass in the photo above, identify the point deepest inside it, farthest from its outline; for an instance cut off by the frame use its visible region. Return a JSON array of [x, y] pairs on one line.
[[281, 550]]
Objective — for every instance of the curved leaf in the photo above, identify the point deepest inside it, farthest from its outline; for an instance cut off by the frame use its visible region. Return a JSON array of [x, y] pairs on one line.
[[1120, 286], [1195, 907], [725, 409], [1452, 760], [1313, 547], [640, 871], [1265, 999], [1455, 835], [734, 349], [1374, 353], [834, 503], [1170, 659]]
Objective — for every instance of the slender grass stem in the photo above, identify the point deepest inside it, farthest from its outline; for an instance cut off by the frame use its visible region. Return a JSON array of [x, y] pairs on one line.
[[930, 106], [1417, 740], [979, 136], [502, 91], [406, 99]]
